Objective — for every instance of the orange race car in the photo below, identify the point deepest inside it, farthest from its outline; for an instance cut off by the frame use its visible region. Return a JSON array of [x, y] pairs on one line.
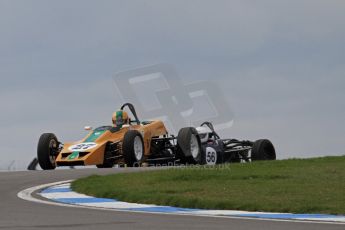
[[129, 142]]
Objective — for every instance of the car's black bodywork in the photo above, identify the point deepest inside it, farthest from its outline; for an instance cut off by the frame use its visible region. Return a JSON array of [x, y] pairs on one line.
[[215, 150]]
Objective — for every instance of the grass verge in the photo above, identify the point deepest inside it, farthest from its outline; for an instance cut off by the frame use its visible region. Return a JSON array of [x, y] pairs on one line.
[[297, 186]]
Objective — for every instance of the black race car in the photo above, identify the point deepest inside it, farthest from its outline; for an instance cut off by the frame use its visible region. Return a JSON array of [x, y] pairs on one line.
[[207, 148]]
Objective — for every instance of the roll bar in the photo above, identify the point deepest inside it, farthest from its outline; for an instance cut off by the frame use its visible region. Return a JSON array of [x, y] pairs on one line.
[[210, 125], [132, 109]]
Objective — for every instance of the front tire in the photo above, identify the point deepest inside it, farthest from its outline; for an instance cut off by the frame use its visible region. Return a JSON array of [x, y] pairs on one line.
[[47, 151], [189, 146], [133, 148], [263, 150]]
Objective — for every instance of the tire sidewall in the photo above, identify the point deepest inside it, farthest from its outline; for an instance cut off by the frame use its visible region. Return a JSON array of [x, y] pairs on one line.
[[259, 150], [184, 139], [44, 151], [128, 148]]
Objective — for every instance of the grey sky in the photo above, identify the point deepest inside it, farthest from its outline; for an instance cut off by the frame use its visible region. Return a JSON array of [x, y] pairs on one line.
[[281, 65]]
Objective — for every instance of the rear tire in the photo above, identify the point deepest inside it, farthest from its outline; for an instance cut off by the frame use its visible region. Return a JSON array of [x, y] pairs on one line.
[[189, 146], [47, 151], [263, 150], [33, 164], [133, 148]]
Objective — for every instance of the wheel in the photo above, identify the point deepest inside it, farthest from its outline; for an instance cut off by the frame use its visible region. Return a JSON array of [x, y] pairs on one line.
[[133, 148], [33, 164], [263, 150], [189, 146], [47, 151], [108, 162], [210, 156]]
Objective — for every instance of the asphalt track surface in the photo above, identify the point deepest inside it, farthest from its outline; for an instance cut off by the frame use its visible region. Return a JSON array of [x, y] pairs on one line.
[[16, 213]]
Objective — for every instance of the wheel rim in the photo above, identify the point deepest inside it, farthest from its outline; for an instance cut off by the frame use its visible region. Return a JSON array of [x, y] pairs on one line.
[[211, 156], [52, 145], [194, 146], [138, 148]]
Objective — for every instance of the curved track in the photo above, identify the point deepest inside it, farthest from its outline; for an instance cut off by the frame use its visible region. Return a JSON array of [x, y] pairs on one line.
[[20, 214]]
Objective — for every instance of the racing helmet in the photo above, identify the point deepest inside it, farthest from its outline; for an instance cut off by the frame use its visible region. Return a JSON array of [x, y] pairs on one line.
[[120, 118], [205, 133]]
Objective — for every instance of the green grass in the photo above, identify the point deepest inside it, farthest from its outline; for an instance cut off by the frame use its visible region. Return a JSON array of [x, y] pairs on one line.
[[298, 186]]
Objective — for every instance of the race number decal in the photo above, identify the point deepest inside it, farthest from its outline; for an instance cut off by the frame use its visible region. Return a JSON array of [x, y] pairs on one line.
[[82, 147], [211, 156]]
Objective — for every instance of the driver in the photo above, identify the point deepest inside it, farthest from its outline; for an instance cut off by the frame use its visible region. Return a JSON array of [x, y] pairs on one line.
[[120, 118]]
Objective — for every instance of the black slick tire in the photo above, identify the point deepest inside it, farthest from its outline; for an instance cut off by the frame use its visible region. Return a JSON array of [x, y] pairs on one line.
[[133, 148], [263, 149], [189, 146], [46, 151]]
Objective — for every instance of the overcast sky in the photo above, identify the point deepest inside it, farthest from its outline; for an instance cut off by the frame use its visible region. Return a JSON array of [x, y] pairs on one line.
[[281, 65]]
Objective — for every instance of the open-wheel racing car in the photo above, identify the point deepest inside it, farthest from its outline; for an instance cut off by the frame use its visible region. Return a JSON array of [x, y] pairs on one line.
[[214, 150], [130, 144]]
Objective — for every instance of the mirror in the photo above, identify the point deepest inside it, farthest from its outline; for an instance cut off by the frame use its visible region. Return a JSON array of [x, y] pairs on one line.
[[88, 128]]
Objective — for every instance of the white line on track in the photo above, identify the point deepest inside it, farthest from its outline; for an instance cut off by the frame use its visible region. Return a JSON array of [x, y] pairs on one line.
[[27, 195]]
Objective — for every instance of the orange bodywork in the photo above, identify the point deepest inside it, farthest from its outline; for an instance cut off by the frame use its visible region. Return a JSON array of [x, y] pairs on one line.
[[86, 152]]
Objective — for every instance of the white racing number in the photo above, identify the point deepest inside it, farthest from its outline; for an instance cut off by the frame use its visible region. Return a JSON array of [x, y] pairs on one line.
[[82, 146]]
